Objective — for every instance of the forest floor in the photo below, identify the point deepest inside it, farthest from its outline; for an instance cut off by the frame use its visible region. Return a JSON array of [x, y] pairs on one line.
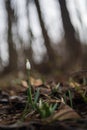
[[59, 102]]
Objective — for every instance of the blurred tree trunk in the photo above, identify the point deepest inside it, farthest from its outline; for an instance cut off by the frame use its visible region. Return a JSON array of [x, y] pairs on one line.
[[73, 46], [12, 50], [1, 66], [28, 51], [50, 50], [20, 52]]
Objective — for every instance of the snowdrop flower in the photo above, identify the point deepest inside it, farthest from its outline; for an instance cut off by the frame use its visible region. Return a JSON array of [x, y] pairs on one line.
[[28, 65], [40, 103]]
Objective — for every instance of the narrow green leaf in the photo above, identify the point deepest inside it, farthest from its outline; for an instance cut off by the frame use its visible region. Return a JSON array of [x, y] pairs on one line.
[[36, 96], [70, 97], [54, 107]]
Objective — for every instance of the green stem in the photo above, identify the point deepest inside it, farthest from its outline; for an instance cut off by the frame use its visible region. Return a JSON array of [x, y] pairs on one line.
[[29, 89], [24, 112], [70, 97]]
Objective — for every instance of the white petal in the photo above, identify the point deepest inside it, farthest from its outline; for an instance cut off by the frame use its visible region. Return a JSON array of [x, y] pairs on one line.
[[28, 65]]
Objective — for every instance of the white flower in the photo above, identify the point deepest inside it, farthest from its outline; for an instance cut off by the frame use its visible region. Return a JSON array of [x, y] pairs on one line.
[[28, 65], [40, 103]]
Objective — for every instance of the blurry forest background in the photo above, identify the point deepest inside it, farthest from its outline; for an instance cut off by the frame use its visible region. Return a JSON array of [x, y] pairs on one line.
[[52, 34]]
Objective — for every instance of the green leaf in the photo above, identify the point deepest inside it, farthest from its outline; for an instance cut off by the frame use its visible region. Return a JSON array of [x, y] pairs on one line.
[[54, 107], [36, 96], [70, 97]]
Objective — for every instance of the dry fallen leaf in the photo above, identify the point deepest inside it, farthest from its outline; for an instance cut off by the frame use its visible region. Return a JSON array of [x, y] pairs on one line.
[[36, 82], [65, 112], [24, 84], [74, 84]]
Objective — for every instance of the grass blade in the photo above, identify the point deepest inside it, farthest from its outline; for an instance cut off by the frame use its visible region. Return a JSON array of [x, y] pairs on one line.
[[36, 96], [54, 107]]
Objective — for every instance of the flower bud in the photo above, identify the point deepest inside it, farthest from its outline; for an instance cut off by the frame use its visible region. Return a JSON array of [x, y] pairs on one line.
[[28, 66], [40, 103]]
